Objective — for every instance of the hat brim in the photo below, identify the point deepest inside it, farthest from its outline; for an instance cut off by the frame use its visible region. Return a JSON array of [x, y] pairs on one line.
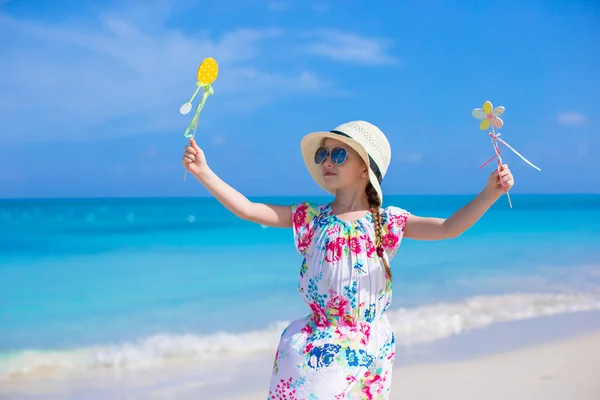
[[311, 142]]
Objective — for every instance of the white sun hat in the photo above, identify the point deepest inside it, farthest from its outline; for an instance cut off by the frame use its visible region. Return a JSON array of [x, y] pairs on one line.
[[368, 141]]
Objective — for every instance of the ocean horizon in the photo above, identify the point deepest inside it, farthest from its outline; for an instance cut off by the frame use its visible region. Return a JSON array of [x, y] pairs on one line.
[[90, 285]]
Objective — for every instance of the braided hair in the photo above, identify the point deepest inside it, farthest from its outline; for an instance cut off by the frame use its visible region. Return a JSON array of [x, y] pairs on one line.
[[375, 204]]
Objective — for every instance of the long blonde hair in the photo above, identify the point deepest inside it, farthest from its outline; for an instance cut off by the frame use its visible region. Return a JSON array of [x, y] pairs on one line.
[[375, 204]]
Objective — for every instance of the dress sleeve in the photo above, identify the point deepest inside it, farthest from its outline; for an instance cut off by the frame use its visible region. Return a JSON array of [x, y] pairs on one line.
[[303, 216], [394, 222]]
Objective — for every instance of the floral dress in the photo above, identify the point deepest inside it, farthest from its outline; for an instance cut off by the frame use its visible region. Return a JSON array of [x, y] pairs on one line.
[[344, 349]]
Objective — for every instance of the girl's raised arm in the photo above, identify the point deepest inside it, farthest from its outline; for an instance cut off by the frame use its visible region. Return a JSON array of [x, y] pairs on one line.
[[423, 228], [266, 214]]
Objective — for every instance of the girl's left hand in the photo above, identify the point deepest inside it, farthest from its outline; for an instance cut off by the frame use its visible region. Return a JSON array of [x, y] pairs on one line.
[[494, 186]]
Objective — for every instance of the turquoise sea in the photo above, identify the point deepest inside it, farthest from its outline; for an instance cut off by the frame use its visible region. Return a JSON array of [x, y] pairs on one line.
[[95, 286]]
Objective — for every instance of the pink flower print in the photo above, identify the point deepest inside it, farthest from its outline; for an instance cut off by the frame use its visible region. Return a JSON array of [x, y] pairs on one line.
[[334, 250], [300, 216], [333, 230], [354, 245], [319, 316], [348, 321], [368, 245], [283, 390], [397, 220], [305, 240], [371, 381], [350, 329], [308, 329], [340, 396], [347, 329], [330, 252], [389, 240], [337, 304], [341, 335], [365, 329], [308, 348]]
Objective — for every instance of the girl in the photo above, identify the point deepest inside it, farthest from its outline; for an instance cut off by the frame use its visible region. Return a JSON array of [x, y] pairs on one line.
[[344, 349]]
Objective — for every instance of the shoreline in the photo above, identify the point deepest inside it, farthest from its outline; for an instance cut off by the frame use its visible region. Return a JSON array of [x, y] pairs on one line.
[[548, 358]]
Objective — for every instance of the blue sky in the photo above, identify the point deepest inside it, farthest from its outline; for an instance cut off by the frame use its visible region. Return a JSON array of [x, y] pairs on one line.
[[90, 92]]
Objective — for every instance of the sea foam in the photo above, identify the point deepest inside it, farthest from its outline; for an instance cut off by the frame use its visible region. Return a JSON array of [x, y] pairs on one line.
[[411, 326]]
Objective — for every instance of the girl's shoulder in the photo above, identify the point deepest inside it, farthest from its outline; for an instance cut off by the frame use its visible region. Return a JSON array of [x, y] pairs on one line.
[[391, 213], [309, 207], [393, 210], [305, 212]]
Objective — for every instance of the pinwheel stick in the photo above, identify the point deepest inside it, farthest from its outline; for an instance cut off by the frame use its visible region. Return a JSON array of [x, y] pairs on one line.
[[208, 90], [193, 135], [497, 150]]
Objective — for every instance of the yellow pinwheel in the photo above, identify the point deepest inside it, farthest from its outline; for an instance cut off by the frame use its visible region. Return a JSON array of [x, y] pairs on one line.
[[489, 116], [206, 75]]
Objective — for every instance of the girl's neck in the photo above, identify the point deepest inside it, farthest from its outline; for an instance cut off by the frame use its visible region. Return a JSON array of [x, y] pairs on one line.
[[350, 202]]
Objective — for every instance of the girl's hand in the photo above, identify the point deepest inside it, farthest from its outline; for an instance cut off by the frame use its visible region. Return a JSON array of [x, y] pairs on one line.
[[193, 159], [494, 186]]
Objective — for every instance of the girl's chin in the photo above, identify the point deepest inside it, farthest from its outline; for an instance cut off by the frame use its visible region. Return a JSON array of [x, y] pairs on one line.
[[331, 184]]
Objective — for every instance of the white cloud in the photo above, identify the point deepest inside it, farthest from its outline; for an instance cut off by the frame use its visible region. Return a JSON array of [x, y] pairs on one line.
[[75, 79], [350, 47], [255, 81], [571, 118]]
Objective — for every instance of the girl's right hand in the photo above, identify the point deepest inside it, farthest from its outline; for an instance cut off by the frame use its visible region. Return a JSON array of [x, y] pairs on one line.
[[193, 159]]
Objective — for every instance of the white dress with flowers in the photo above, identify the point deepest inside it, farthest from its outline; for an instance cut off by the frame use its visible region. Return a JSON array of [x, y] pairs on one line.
[[344, 349]]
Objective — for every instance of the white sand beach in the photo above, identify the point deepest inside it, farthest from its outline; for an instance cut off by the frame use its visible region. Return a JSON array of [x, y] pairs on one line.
[[566, 369], [560, 370]]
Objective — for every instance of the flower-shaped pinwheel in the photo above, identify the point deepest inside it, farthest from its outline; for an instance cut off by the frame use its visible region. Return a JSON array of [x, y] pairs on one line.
[[489, 116], [490, 119], [206, 74]]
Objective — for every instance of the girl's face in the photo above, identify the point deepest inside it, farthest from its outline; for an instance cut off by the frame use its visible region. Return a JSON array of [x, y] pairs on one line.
[[350, 174]]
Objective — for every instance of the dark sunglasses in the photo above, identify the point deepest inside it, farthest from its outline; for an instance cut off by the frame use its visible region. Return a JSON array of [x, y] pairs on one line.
[[338, 155]]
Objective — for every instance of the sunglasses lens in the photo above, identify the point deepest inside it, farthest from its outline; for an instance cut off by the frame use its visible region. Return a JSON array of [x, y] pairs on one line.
[[338, 155], [320, 155]]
